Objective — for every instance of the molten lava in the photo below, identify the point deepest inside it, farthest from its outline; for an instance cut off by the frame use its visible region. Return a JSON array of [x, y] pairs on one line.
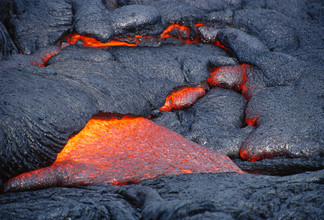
[[123, 151], [252, 122], [175, 31], [180, 32], [91, 42], [244, 154], [183, 97], [46, 55], [230, 77]]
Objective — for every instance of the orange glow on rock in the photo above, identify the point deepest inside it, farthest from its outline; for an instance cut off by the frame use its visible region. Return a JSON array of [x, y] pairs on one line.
[[47, 56], [246, 156], [221, 45], [91, 42], [175, 31], [181, 32], [175, 27], [230, 77], [252, 122], [183, 97], [123, 151]]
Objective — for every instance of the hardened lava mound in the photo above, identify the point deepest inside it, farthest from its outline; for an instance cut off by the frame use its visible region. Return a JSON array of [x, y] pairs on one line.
[[242, 78]]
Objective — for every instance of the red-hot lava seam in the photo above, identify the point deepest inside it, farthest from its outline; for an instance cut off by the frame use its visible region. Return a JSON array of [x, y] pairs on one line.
[[252, 122], [123, 151], [183, 33]]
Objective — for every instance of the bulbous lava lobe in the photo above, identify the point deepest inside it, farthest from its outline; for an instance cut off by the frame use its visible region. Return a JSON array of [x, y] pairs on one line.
[[122, 151], [230, 77], [289, 120], [183, 98]]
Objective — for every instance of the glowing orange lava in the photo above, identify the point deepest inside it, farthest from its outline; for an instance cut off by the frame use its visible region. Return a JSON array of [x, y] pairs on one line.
[[230, 77], [183, 33], [91, 42], [123, 151], [244, 154], [252, 122], [183, 97], [47, 56], [179, 32]]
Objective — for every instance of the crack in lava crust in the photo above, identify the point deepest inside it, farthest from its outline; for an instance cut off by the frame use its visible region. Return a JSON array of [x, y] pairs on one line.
[[123, 151]]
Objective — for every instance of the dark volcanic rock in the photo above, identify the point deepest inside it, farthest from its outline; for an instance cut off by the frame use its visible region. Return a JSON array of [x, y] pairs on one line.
[[242, 45], [93, 19], [273, 28], [7, 46], [41, 108], [95, 202], [281, 166], [255, 82], [218, 121], [194, 196], [136, 18], [291, 8], [277, 68], [34, 130], [38, 24], [240, 196], [289, 120]]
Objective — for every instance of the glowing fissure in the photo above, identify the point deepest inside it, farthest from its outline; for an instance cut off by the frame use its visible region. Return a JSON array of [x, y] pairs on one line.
[[252, 122], [176, 31], [92, 42], [123, 151], [47, 56], [183, 34]]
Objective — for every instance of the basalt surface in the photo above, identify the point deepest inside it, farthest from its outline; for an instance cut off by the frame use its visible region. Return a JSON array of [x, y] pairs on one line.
[[252, 77]]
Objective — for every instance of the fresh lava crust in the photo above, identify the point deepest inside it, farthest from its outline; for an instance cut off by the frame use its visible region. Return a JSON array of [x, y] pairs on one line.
[[122, 151]]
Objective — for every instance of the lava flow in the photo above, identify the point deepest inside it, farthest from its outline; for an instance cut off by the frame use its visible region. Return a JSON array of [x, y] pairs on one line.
[[123, 151], [252, 122], [46, 55], [91, 42], [175, 31], [230, 77], [183, 97]]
